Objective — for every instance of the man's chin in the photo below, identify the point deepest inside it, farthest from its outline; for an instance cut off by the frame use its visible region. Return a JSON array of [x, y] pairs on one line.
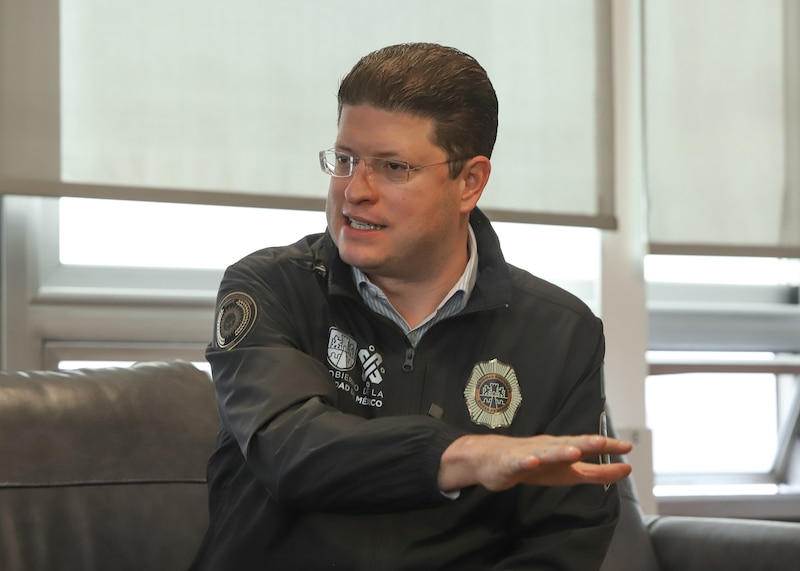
[[364, 264], [354, 256]]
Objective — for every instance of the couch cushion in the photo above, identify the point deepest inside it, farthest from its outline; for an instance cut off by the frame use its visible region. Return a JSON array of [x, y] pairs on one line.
[[699, 543], [104, 469]]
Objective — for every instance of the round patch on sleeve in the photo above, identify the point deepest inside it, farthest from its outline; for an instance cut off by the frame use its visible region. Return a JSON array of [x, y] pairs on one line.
[[236, 316]]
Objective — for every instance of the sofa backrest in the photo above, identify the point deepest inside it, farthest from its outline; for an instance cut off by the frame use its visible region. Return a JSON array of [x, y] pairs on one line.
[[104, 469]]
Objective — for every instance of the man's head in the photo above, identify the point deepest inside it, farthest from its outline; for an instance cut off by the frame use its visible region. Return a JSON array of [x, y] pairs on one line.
[[415, 127], [431, 81]]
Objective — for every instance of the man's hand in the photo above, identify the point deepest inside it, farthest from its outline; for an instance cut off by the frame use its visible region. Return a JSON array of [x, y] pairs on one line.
[[501, 462]]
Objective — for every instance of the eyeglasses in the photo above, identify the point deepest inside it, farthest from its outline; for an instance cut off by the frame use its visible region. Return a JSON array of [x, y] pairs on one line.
[[391, 171]]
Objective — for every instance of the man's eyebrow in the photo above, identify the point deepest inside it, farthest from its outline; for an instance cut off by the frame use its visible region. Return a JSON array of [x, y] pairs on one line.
[[339, 147], [378, 155]]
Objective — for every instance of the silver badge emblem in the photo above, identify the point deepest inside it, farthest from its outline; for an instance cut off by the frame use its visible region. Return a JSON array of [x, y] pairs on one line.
[[236, 315], [492, 394], [341, 350]]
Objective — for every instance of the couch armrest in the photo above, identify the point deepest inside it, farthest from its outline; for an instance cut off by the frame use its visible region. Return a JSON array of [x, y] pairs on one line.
[[698, 543]]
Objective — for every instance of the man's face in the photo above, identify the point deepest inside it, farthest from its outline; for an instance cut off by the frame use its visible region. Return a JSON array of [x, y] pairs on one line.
[[396, 231]]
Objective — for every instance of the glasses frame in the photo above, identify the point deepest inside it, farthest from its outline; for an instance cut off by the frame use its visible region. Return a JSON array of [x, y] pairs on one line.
[[328, 168]]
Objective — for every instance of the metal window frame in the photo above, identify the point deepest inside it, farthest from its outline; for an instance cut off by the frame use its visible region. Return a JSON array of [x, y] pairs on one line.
[[732, 318], [48, 307]]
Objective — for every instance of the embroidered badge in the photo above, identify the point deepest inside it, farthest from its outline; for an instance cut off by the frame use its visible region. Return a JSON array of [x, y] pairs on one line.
[[236, 316], [341, 350], [492, 394]]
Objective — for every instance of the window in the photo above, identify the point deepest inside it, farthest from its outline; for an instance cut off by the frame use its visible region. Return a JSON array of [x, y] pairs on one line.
[[166, 235], [722, 398], [713, 422], [190, 236], [722, 270], [121, 281]]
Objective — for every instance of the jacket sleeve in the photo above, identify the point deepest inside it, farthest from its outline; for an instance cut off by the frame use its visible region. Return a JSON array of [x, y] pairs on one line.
[[279, 405], [570, 528]]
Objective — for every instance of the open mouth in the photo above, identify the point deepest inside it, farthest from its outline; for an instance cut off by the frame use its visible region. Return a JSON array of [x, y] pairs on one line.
[[358, 225]]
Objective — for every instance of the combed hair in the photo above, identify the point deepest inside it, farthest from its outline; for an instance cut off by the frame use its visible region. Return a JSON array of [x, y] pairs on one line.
[[432, 81]]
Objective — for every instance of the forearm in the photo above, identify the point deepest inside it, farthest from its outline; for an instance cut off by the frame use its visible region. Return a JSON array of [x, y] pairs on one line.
[[333, 461], [311, 455]]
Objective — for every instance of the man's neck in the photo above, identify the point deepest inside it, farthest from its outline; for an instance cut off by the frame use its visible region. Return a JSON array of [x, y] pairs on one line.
[[415, 300]]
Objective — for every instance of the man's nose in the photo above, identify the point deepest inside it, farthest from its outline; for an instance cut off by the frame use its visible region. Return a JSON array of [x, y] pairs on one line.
[[360, 186], [365, 167]]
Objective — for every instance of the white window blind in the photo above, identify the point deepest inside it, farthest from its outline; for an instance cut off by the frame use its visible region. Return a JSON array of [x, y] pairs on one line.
[[722, 97], [229, 102]]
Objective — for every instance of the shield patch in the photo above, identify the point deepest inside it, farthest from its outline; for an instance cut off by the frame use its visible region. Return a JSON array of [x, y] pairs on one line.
[[492, 394]]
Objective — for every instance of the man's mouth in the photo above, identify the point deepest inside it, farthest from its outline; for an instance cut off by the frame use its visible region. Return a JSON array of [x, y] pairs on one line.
[[358, 225]]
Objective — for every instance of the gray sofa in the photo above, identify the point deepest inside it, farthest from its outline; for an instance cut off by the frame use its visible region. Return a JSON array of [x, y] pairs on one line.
[[677, 543], [104, 470]]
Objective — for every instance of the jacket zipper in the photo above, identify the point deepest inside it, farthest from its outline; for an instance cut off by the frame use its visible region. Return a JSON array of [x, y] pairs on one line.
[[408, 364]]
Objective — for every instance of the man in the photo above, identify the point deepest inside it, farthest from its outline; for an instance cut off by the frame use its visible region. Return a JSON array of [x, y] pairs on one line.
[[392, 394]]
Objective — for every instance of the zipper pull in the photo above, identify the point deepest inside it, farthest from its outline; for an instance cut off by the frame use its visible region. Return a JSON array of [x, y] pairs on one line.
[[408, 364]]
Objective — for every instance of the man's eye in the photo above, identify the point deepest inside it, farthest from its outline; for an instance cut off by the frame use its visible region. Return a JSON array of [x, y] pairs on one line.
[[394, 165], [343, 159]]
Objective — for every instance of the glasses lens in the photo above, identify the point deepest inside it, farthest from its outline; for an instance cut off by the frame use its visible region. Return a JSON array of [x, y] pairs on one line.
[[388, 171], [336, 164], [393, 172], [342, 164]]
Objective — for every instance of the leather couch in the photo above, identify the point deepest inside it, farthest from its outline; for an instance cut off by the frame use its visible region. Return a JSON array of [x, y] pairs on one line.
[[679, 543], [104, 470]]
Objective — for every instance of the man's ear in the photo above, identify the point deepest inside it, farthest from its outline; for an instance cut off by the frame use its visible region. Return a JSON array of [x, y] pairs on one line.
[[475, 176]]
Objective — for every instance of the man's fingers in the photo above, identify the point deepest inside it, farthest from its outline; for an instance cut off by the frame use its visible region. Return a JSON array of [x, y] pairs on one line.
[[560, 461], [551, 454], [596, 444], [574, 448], [533, 471], [500, 462], [601, 474]]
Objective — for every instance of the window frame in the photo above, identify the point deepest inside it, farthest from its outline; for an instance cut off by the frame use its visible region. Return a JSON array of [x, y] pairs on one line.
[[722, 318]]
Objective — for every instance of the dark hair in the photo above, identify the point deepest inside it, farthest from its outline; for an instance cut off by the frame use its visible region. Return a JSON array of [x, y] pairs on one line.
[[432, 81]]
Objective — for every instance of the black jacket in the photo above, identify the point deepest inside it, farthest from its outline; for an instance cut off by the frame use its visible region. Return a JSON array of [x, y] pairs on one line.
[[333, 425]]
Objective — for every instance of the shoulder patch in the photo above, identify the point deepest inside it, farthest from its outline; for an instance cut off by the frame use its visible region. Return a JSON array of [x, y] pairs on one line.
[[236, 316]]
